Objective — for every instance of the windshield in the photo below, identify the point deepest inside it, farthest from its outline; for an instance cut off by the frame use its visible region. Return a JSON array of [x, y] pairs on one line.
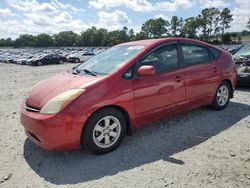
[[111, 59], [245, 51]]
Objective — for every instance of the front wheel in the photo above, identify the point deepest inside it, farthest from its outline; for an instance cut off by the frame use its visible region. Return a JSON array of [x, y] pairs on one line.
[[77, 60], [39, 63], [222, 96], [104, 131]]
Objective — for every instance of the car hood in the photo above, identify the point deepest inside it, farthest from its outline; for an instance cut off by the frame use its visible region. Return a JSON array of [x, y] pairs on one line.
[[50, 88]]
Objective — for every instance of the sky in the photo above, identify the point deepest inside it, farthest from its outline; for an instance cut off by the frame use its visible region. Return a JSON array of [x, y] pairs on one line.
[[52, 16]]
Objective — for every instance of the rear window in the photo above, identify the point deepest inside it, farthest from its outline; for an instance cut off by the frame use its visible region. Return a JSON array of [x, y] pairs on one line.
[[215, 54]]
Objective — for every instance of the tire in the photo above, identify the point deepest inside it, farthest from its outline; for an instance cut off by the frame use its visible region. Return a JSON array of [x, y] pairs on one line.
[[60, 61], [39, 63], [222, 96], [104, 131], [77, 60]]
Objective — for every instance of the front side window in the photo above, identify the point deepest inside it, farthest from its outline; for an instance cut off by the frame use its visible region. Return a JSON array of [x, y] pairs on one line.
[[193, 54], [163, 59]]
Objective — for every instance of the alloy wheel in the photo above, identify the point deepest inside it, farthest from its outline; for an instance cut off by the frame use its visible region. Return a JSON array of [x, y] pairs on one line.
[[222, 95], [106, 132]]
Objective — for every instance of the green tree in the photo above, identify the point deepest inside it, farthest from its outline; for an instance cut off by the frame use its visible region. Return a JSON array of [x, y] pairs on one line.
[[94, 37], [227, 38], [140, 35], [101, 37], [6, 42], [85, 37], [155, 28], [25, 40], [66, 38], [176, 25], [244, 33], [209, 19], [190, 27], [225, 19], [239, 39], [131, 35], [98, 36], [114, 37], [43, 40], [234, 36]]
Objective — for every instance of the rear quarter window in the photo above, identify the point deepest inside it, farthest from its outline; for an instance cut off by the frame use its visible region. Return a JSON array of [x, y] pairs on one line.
[[214, 53]]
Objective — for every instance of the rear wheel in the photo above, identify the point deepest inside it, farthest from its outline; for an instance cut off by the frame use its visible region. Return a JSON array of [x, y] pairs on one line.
[[77, 60], [104, 131], [60, 61], [222, 96], [39, 63]]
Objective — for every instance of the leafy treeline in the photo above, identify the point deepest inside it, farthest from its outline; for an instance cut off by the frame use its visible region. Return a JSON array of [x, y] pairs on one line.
[[210, 25]]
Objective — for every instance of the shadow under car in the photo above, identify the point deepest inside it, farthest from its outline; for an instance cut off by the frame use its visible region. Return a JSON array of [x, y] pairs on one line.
[[148, 144]]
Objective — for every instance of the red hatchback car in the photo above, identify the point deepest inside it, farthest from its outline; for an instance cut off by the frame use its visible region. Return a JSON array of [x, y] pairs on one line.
[[127, 86]]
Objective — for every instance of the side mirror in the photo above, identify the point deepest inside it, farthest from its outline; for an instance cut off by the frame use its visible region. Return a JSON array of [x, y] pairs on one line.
[[146, 70]]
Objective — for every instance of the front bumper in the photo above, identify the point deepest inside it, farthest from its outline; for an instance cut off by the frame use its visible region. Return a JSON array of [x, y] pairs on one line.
[[52, 132]]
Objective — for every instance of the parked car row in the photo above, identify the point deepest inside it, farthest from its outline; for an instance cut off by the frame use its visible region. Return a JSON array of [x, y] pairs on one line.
[[80, 57], [38, 57], [232, 48]]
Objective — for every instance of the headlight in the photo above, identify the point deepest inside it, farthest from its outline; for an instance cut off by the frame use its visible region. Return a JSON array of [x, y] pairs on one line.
[[59, 102]]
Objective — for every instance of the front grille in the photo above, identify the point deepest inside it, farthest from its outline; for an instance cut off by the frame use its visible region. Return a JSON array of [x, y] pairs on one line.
[[31, 108]]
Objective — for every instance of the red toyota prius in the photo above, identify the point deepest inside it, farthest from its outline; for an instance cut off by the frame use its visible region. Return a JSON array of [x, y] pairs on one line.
[[127, 86]]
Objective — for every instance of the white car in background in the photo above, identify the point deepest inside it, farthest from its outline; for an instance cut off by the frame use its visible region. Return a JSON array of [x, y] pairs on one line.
[[80, 57]]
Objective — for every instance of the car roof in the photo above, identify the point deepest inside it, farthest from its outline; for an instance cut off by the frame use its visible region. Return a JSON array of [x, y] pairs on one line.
[[153, 42]]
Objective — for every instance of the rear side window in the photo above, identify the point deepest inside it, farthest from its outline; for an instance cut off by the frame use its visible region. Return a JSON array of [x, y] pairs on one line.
[[194, 54], [215, 54]]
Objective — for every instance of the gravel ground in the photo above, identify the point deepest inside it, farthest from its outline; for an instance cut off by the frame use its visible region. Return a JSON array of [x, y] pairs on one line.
[[202, 148]]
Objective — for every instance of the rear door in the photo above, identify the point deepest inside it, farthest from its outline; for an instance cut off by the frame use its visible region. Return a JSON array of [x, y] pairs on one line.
[[201, 74], [162, 93], [55, 58], [48, 59]]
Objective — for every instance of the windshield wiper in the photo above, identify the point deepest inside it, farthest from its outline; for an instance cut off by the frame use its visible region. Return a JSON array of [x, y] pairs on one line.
[[89, 72]]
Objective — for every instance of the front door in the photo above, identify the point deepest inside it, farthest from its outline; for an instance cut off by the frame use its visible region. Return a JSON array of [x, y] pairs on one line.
[[162, 93]]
